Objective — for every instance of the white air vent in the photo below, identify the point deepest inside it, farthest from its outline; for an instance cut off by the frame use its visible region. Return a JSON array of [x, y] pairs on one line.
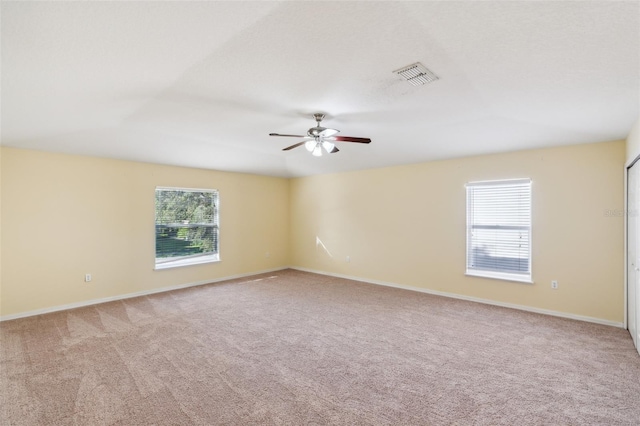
[[416, 74]]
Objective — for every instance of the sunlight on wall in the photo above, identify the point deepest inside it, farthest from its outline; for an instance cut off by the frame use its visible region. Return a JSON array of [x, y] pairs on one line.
[[407, 225]]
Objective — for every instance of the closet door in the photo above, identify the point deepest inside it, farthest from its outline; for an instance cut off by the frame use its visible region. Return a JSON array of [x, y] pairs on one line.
[[633, 250]]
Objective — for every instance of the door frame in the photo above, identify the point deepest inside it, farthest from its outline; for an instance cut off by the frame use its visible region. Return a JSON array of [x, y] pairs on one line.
[[626, 257]]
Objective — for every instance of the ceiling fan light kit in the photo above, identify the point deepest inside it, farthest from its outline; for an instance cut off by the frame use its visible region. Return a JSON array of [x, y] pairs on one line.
[[328, 146], [315, 147], [319, 138]]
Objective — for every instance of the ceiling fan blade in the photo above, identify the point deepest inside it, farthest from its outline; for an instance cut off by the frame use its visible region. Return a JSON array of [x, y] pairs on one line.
[[293, 146], [288, 136], [349, 139], [328, 132]]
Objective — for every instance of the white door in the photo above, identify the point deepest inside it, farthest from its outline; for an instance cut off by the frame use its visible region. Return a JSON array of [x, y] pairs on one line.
[[633, 251]]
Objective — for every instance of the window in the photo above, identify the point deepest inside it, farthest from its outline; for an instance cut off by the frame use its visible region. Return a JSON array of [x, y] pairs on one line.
[[499, 229], [186, 226]]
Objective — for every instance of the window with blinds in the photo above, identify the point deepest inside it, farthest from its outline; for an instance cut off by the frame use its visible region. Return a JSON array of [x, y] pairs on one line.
[[186, 226], [499, 229]]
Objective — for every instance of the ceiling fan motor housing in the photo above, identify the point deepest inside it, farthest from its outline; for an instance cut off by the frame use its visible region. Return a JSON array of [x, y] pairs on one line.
[[315, 132]]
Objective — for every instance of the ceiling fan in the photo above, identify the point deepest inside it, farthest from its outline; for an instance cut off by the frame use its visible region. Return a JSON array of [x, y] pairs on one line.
[[319, 138]]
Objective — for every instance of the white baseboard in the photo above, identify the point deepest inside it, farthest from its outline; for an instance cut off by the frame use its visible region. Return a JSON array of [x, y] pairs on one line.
[[349, 277], [469, 298], [131, 295]]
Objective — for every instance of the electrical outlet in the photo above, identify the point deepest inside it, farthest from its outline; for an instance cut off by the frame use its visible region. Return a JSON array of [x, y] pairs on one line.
[[87, 278], [267, 255], [348, 259], [554, 284]]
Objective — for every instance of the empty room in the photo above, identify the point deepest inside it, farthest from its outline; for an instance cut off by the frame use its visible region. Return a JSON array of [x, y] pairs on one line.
[[317, 212]]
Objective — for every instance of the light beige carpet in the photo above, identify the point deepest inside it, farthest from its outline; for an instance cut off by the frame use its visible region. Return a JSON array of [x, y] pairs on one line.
[[293, 348]]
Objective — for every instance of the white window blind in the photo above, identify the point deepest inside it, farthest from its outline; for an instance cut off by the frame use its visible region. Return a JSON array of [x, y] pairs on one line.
[[186, 226], [499, 229]]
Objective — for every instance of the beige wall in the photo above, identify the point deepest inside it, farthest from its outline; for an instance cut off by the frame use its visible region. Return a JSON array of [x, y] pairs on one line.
[[64, 216], [406, 225]]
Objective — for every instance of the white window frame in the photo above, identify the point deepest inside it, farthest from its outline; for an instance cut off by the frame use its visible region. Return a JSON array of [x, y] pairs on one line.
[[193, 259], [523, 277]]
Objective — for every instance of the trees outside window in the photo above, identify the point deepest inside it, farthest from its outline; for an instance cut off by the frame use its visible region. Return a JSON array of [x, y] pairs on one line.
[[186, 226]]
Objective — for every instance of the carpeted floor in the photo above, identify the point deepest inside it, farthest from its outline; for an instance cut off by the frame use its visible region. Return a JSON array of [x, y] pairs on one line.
[[294, 348]]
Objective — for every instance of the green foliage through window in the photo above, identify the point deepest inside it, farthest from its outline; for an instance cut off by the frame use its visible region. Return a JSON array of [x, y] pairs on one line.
[[186, 223]]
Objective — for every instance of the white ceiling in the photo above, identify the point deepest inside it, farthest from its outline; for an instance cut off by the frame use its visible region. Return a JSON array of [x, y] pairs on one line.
[[202, 84]]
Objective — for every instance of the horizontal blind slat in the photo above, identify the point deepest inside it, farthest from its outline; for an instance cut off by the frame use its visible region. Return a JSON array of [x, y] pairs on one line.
[[498, 226]]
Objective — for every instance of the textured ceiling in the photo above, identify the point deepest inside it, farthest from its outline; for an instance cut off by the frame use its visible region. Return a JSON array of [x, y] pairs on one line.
[[202, 84]]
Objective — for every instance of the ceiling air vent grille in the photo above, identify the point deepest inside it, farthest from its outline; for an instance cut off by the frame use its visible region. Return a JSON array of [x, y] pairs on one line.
[[416, 74]]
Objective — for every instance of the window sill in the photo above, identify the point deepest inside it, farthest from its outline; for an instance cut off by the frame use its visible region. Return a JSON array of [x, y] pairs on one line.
[[500, 276], [187, 262]]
